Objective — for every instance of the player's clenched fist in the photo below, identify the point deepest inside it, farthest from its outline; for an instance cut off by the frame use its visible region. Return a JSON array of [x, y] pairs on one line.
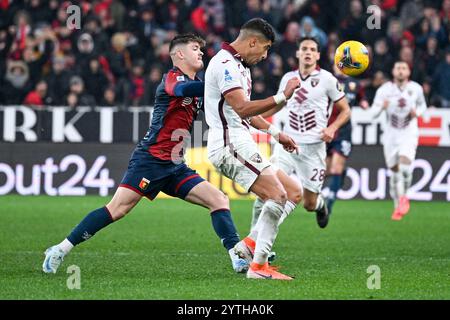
[[291, 86]]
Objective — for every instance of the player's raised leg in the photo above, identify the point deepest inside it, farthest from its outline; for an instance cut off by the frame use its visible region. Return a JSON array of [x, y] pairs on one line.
[[123, 201], [208, 196]]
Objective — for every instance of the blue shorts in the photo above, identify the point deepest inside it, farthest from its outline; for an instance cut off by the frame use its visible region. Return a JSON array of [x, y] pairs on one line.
[[341, 146], [147, 176]]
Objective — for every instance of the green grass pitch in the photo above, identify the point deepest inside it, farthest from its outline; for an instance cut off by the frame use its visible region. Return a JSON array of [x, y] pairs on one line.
[[168, 250]]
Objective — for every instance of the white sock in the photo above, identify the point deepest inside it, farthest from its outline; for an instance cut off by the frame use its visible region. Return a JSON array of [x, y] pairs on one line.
[[267, 230], [288, 208], [257, 207], [406, 172], [400, 185], [393, 188], [319, 203], [66, 246]]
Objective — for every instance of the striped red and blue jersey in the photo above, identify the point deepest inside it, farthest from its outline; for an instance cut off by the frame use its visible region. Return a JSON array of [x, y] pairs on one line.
[[173, 117]]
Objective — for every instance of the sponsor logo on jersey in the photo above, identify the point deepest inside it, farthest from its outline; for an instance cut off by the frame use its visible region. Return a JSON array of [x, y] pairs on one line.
[[228, 77], [144, 184], [186, 101], [180, 78]]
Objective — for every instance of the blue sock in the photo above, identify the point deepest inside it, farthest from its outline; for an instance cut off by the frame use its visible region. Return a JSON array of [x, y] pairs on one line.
[[224, 227], [93, 222], [335, 185]]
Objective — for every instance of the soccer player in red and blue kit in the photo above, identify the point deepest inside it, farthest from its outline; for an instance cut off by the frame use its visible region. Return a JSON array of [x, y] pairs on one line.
[[157, 163]]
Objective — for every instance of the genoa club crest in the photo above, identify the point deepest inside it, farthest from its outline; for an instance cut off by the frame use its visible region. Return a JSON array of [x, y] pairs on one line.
[[144, 184], [314, 82]]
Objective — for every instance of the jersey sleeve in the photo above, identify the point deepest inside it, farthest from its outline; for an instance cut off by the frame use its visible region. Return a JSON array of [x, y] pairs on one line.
[[283, 83], [228, 78], [377, 105], [173, 78], [335, 90], [421, 105]]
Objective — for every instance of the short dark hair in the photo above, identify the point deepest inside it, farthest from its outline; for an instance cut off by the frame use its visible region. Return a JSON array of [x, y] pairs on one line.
[[299, 42], [185, 39], [261, 26]]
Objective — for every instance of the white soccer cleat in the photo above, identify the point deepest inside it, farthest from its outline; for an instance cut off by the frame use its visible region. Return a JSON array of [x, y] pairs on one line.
[[244, 251], [240, 265], [53, 258]]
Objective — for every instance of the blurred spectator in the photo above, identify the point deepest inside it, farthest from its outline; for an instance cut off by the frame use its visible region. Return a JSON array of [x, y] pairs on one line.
[[377, 80], [254, 9], [441, 82], [259, 90], [109, 98], [85, 46], [77, 88], [352, 26], [71, 100], [430, 58], [411, 12], [118, 57], [215, 11], [288, 47], [382, 59], [58, 80], [151, 83], [38, 97], [407, 54], [137, 84], [16, 82], [309, 29], [95, 79]]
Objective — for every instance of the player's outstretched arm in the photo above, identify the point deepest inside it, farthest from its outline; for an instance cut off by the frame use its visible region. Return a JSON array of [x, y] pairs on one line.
[[189, 89], [344, 116], [245, 108]]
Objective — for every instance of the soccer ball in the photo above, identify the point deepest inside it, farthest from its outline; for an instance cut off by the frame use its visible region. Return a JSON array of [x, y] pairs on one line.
[[352, 58]]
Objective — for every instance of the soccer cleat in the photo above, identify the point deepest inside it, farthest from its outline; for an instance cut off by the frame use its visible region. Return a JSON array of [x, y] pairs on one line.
[[53, 258], [272, 256], [322, 216], [240, 265], [257, 271], [245, 249], [396, 215], [403, 205]]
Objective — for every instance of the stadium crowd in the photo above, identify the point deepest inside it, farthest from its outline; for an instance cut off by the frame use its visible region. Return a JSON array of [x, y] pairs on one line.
[[118, 55]]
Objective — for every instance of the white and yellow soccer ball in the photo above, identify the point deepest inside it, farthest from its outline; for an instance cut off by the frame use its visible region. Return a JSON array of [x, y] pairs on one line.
[[352, 58]]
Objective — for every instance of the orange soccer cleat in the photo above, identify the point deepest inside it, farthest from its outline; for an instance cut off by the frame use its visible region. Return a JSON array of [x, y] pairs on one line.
[[258, 271], [403, 205], [396, 215]]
